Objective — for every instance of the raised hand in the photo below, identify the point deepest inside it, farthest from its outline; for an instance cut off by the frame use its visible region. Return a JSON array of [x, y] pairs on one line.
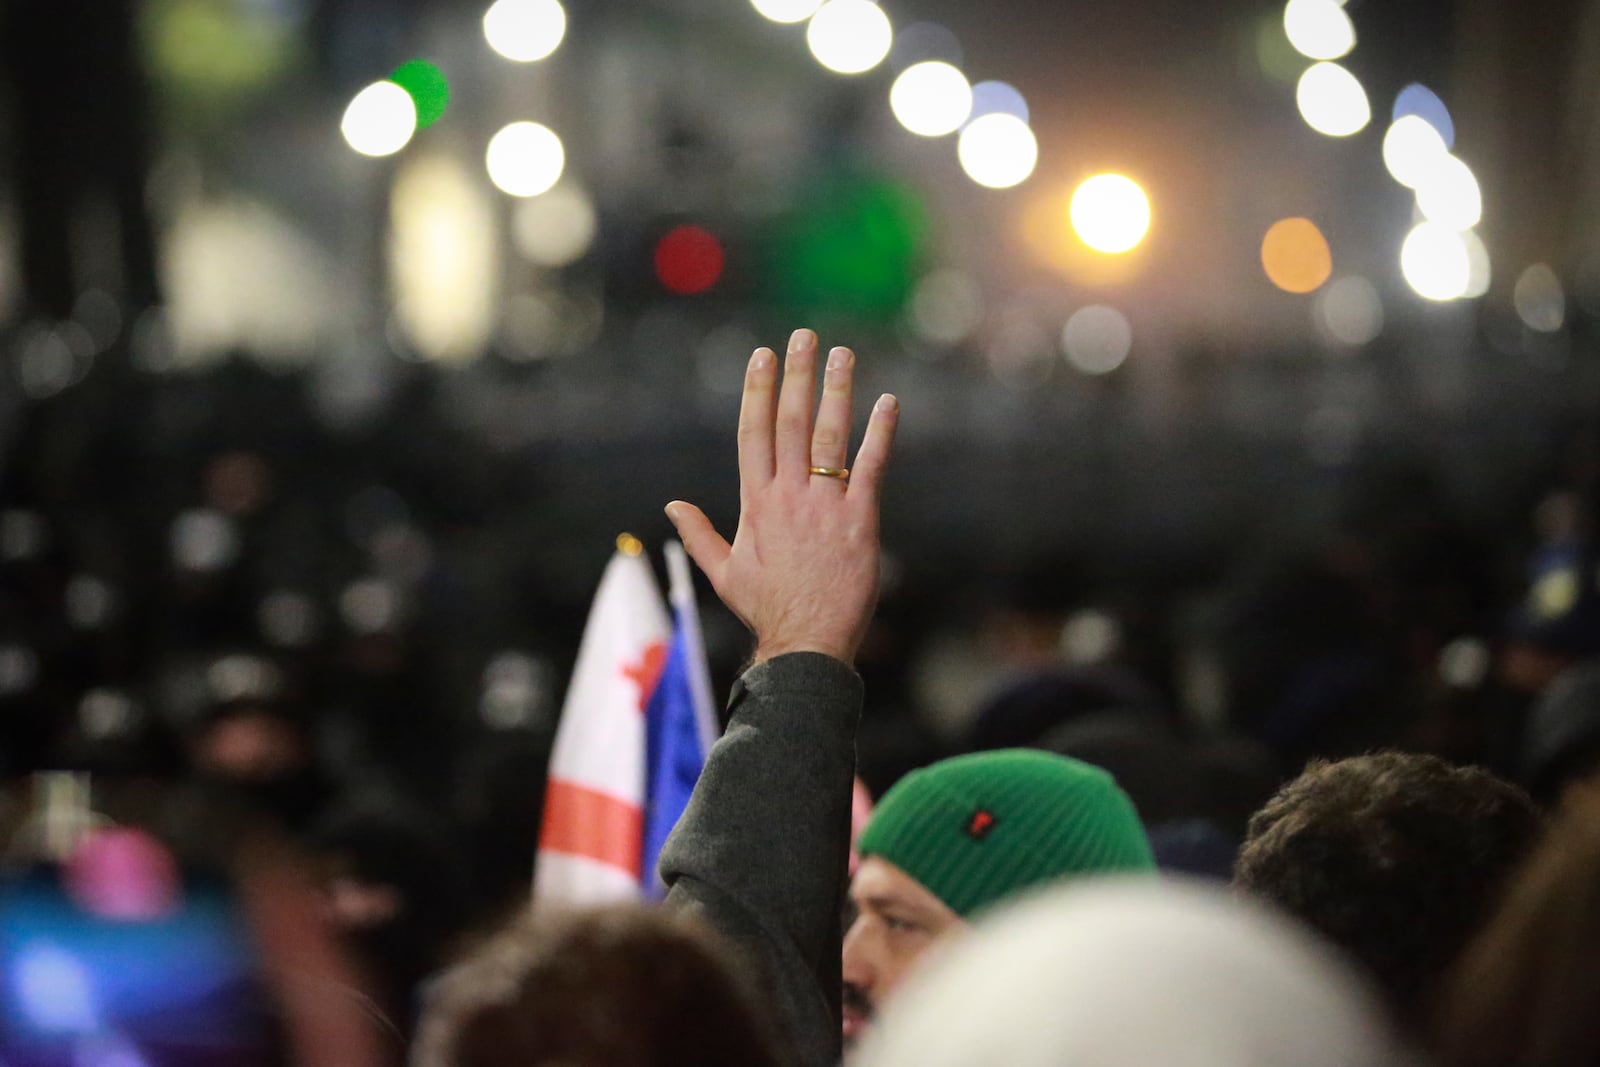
[[802, 571]]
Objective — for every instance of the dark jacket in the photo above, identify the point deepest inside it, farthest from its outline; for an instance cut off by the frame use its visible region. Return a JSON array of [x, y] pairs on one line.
[[761, 851]]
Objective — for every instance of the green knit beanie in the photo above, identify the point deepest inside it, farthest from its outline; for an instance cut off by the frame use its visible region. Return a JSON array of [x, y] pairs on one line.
[[977, 828]]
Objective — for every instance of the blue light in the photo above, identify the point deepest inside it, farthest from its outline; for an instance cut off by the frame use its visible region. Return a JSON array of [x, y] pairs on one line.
[[993, 97], [1417, 99], [54, 990]]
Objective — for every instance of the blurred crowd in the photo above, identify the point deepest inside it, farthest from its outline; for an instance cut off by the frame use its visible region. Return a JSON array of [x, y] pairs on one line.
[[313, 673]]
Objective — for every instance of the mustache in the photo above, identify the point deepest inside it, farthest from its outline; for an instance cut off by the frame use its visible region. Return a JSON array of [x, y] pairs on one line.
[[855, 999]]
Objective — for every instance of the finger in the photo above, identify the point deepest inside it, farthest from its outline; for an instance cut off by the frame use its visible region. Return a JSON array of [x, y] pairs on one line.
[[830, 440], [793, 448], [700, 539], [755, 420], [866, 478]]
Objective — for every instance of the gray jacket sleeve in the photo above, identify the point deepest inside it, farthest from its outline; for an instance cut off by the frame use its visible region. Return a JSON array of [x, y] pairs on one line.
[[762, 849]]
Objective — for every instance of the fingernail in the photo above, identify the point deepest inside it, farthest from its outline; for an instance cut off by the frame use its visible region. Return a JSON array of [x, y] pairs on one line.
[[801, 338], [761, 359], [886, 404], [838, 358], [672, 512]]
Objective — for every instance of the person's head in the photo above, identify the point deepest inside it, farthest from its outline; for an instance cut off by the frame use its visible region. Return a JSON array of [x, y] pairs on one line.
[[1522, 993], [612, 987], [1397, 858], [961, 835], [1131, 973]]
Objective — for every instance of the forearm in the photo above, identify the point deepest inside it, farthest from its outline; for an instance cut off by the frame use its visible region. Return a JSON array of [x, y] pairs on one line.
[[761, 850]]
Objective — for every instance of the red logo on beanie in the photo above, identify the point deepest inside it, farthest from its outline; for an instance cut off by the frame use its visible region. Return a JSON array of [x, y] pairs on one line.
[[980, 824]]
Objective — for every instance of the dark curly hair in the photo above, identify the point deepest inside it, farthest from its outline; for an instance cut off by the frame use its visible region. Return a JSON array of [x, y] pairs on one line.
[[1396, 857], [611, 987]]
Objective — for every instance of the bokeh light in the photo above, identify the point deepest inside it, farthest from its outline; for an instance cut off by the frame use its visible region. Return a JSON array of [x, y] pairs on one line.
[[443, 258], [124, 875], [24, 535], [1480, 274], [689, 259], [19, 669], [946, 307], [850, 36], [1540, 301], [380, 120], [204, 541], [1295, 255], [1417, 99], [1449, 194], [429, 89], [371, 606], [1349, 311], [1465, 663], [1332, 101], [786, 11], [525, 159], [1110, 213], [998, 150], [90, 603], [1318, 29], [851, 244], [1412, 148], [555, 228], [999, 98], [54, 990], [931, 99], [525, 30], [1435, 262], [1096, 339]]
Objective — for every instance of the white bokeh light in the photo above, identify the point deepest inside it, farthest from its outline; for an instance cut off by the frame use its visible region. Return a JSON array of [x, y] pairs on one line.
[[1449, 194], [380, 120], [1412, 148], [525, 30], [443, 257], [1435, 262], [1318, 29], [1096, 339], [998, 150], [556, 228], [525, 159], [1350, 311], [850, 36], [946, 307], [1110, 213], [786, 11], [1540, 300], [1332, 101], [931, 99], [1479, 273]]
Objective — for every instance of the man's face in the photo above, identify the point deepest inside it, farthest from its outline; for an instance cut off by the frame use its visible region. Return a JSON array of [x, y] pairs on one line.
[[897, 919]]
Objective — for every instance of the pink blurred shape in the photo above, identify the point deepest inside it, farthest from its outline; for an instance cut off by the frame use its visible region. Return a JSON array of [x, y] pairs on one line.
[[125, 875], [860, 812]]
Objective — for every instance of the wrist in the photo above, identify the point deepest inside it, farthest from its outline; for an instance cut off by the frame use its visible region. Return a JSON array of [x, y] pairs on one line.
[[771, 649]]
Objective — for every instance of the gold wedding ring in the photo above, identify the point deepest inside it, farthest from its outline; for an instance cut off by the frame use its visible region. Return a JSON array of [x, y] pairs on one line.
[[841, 473]]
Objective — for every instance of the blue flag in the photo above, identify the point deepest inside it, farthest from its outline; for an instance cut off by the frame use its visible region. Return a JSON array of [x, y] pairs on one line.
[[680, 721]]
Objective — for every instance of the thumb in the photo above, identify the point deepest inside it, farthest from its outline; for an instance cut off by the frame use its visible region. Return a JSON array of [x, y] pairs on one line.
[[700, 539]]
